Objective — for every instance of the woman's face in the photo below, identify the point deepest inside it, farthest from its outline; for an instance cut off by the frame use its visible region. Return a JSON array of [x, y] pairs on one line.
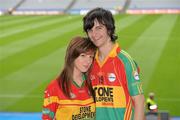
[[83, 62]]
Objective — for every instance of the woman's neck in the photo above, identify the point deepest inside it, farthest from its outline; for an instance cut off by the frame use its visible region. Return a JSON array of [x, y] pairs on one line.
[[77, 77]]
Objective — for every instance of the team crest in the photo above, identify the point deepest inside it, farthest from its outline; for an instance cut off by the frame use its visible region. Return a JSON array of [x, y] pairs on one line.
[[136, 75], [111, 77], [72, 95]]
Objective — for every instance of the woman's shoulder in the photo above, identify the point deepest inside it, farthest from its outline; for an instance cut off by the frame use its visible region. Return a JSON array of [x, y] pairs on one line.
[[53, 86]]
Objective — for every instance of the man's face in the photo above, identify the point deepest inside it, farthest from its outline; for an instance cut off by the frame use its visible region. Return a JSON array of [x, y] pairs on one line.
[[98, 34]]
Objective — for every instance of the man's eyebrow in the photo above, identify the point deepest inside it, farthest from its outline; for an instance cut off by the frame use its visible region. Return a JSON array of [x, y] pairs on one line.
[[100, 25]]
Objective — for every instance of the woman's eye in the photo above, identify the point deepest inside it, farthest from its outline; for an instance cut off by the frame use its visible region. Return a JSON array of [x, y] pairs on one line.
[[82, 55]]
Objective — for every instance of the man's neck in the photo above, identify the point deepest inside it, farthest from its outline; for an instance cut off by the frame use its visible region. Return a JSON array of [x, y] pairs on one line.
[[105, 50]]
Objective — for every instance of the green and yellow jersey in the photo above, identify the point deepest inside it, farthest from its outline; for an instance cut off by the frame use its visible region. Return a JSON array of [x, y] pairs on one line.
[[115, 81]]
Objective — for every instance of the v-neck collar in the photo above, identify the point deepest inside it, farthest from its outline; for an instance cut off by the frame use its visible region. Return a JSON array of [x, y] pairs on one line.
[[112, 53], [83, 81]]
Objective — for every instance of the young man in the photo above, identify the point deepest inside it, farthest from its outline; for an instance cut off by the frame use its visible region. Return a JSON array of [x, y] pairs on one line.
[[115, 75]]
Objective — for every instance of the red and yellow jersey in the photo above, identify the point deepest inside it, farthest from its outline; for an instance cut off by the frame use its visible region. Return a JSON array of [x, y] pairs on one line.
[[58, 107], [115, 80]]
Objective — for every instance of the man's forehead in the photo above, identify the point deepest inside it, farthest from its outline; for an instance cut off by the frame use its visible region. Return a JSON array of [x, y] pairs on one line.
[[97, 23]]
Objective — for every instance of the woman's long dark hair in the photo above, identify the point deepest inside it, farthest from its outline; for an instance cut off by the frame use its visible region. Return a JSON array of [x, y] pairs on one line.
[[76, 46]]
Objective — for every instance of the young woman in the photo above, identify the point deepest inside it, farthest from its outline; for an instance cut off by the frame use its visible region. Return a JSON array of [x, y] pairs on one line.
[[70, 96]]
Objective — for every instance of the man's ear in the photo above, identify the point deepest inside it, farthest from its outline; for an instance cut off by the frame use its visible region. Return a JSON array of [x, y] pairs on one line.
[[109, 32]]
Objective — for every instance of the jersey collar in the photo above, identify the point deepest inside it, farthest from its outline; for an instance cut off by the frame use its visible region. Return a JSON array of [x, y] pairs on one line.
[[112, 53], [83, 82]]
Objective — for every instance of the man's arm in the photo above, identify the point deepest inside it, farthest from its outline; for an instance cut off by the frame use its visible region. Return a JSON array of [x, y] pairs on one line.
[[138, 107]]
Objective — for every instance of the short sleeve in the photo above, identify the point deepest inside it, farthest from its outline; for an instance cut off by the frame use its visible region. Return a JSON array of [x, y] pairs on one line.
[[132, 71], [50, 103]]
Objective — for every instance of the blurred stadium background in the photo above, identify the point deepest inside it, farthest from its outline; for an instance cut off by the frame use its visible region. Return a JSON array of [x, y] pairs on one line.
[[34, 35]]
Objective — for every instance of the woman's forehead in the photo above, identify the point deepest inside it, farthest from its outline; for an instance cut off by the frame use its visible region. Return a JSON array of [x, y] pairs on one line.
[[89, 52]]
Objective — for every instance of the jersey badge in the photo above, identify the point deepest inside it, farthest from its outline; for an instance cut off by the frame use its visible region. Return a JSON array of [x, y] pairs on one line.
[[72, 95], [136, 75], [111, 77]]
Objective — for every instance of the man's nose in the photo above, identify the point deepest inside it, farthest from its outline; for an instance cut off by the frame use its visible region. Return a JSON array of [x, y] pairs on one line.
[[94, 33]]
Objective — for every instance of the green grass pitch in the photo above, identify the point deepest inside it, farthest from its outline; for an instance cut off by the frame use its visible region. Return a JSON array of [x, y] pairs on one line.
[[32, 52]]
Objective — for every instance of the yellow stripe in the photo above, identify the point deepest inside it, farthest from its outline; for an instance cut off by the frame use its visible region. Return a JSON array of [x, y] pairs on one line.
[[50, 100], [139, 91], [81, 102], [55, 99], [130, 59], [128, 111], [139, 87], [130, 115]]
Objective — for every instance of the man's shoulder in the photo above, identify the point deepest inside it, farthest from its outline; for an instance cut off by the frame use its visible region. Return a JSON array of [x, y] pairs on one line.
[[122, 54]]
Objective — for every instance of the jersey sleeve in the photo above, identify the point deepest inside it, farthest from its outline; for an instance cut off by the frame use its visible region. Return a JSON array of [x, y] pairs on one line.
[[50, 103], [132, 70], [134, 82]]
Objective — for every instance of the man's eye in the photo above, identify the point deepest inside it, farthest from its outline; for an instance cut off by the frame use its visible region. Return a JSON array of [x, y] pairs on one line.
[[91, 56], [99, 28], [89, 30]]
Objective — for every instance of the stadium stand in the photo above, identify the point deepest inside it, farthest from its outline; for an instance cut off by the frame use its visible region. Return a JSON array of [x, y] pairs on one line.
[[155, 4], [89, 4], [45, 5], [77, 6], [5, 5]]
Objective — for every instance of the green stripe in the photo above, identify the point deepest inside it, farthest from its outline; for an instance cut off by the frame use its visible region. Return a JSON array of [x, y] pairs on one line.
[[20, 60], [167, 72], [82, 84], [129, 35], [33, 78], [48, 112], [34, 39], [125, 22], [133, 65], [8, 18], [29, 30], [148, 47], [21, 22], [110, 113]]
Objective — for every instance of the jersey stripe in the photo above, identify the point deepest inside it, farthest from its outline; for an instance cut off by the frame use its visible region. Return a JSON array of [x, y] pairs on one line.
[[55, 99], [130, 59]]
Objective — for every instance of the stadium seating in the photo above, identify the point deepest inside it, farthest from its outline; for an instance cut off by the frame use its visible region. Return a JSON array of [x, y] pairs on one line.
[[44, 5], [154, 4], [89, 4], [65, 5], [7, 4]]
